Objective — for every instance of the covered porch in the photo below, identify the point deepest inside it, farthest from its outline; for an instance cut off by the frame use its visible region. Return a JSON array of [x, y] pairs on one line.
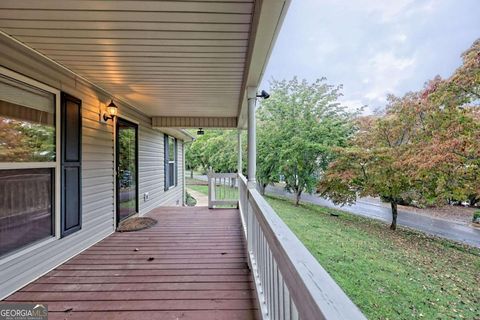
[[191, 265], [167, 65]]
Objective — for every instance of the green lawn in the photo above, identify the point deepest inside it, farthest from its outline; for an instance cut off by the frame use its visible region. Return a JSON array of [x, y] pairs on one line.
[[389, 275], [200, 188], [230, 192]]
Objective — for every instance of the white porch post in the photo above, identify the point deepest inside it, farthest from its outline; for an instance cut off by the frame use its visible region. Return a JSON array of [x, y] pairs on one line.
[[239, 149], [252, 143]]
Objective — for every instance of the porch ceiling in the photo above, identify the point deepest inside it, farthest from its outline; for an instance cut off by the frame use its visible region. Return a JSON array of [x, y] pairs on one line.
[[168, 58]]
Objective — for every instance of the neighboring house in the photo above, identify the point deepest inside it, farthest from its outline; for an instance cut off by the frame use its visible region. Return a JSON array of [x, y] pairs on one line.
[[69, 174]]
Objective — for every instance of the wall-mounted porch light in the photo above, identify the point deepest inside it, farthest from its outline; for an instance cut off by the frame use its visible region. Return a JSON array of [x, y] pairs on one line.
[[200, 132], [264, 95], [112, 111]]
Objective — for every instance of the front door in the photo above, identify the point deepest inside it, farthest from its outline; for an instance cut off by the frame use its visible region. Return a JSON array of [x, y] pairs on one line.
[[127, 169]]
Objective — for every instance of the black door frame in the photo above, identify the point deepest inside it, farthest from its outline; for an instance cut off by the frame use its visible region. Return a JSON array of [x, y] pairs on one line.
[[117, 175]]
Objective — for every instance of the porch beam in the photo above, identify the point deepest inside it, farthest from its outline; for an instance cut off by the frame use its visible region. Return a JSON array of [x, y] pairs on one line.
[[194, 122], [252, 143]]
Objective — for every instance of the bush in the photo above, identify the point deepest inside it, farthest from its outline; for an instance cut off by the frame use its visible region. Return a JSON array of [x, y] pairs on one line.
[[476, 216], [190, 201]]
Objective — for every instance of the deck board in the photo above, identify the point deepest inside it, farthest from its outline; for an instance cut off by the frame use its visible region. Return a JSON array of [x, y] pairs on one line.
[[199, 271]]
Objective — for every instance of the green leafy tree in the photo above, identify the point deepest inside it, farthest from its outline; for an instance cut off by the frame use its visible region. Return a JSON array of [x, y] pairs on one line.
[[300, 123], [216, 149], [191, 159], [268, 155]]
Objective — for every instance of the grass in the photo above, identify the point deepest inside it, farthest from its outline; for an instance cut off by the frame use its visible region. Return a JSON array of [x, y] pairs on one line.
[[224, 193], [189, 181], [389, 275], [199, 188], [403, 274]]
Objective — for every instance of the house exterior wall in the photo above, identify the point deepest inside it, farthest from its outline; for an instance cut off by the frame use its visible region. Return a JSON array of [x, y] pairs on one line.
[[98, 168]]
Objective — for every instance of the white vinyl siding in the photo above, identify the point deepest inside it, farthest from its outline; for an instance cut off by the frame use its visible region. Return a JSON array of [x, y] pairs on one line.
[[98, 179]]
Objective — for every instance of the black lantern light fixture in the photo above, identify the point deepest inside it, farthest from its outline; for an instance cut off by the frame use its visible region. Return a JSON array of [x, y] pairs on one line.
[[264, 95], [112, 111], [200, 132]]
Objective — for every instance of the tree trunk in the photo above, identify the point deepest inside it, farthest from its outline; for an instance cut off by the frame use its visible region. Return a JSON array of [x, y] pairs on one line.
[[393, 226], [191, 173], [262, 188], [298, 195]]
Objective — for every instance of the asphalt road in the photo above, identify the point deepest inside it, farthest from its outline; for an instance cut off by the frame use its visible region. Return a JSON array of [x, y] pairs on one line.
[[433, 226]]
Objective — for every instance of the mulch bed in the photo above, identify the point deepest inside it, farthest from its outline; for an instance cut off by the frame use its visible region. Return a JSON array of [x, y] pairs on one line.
[[136, 224]]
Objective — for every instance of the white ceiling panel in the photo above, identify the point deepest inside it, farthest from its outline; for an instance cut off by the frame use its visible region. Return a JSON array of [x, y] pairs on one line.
[[167, 58]]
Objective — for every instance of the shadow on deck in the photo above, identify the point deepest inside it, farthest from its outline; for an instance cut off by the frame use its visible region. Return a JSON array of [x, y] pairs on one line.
[[199, 271]]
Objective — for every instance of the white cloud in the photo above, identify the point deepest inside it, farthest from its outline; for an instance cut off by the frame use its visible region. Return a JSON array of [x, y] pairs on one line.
[[352, 104], [400, 38], [387, 10], [385, 72]]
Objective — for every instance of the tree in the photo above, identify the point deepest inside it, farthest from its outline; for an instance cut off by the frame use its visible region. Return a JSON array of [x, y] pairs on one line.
[[371, 165], [191, 159], [26, 141], [463, 87], [216, 149], [299, 125], [426, 146], [449, 145], [268, 155]]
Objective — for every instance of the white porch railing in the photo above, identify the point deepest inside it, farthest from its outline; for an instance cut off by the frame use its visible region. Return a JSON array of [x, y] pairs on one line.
[[222, 189], [290, 283]]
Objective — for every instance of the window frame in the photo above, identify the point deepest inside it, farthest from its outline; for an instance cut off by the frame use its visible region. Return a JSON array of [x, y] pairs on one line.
[[168, 162], [36, 165]]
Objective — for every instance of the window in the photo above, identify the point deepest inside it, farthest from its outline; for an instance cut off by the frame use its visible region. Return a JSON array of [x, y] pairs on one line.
[[28, 162], [170, 162], [27, 123]]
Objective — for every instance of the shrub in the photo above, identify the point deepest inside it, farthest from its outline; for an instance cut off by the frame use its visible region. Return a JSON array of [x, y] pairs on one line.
[[476, 216], [190, 201]]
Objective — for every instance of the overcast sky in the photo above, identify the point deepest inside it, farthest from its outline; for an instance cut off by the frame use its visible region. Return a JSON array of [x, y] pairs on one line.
[[373, 47]]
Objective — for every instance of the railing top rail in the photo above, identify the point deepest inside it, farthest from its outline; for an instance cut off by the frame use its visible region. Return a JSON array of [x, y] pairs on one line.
[[314, 291], [222, 175], [242, 178]]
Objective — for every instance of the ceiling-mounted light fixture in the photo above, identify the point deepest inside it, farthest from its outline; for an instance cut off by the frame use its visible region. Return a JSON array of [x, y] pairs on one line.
[[264, 94], [112, 111], [200, 132]]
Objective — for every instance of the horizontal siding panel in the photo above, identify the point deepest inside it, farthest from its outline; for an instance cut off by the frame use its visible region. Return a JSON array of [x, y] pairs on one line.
[[97, 164], [18, 275], [106, 194], [103, 207], [92, 141], [97, 187], [98, 191]]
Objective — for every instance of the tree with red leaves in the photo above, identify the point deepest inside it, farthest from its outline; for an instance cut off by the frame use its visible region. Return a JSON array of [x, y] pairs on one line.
[[425, 147]]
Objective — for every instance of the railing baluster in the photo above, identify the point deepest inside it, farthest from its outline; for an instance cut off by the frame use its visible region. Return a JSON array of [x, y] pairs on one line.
[[283, 269], [294, 311]]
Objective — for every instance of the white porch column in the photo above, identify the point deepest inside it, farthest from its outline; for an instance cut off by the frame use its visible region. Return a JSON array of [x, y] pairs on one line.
[[252, 143], [239, 149]]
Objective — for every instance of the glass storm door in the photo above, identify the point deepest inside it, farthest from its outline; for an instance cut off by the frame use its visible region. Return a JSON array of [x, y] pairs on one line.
[[127, 169]]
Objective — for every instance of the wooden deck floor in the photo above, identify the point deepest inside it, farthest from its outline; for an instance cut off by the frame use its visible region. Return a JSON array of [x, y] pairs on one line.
[[199, 271]]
